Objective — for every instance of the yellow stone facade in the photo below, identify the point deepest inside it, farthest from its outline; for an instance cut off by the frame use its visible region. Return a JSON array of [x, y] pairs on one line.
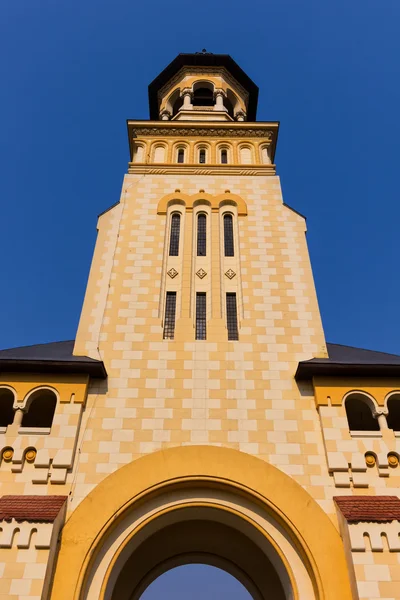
[[186, 429]]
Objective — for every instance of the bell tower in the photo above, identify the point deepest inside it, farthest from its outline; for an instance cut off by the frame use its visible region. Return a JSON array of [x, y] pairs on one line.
[[201, 299], [203, 87]]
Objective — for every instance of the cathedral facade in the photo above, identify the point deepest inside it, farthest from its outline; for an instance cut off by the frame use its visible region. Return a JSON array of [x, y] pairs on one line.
[[200, 415]]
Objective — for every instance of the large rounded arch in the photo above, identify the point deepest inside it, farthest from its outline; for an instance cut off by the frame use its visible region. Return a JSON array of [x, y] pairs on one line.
[[233, 490]]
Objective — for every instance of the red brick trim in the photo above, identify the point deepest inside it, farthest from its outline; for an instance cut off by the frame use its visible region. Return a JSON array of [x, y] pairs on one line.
[[369, 508], [44, 509]]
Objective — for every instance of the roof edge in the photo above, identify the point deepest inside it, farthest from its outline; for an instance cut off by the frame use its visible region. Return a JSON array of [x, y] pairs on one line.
[[94, 369], [309, 369]]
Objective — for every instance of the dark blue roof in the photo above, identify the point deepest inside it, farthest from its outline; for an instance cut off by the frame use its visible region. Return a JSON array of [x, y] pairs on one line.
[[55, 356]]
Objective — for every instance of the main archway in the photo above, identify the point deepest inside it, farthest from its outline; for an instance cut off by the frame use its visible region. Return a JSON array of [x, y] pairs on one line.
[[202, 504]]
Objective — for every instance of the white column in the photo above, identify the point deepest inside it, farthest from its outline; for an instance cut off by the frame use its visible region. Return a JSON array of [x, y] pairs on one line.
[[18, 416], [219, 101], [187, 99], [381, 416]]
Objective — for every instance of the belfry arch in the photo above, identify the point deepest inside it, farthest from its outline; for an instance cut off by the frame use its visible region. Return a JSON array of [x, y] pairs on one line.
[[205, 504]]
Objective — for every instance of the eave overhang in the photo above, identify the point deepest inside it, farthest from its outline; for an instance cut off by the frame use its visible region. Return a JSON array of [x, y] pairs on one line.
[[94, 369], [310, 369]]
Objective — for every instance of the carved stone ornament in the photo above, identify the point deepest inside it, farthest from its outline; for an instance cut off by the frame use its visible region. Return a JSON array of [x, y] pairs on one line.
[[204, 132], [172, 273], [201, 273], [230, 274], [220, 92]]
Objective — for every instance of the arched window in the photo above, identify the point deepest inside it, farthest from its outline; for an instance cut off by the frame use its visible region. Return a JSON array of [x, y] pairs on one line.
[[203, 96], [228, 235], [176, 102], [181, 155], [265, 159], [393, 418], [359, 414], [245, 155], [201, 235], [6, 407], [159, 154], [138, 154], [231, 103], [202, 156], [224, 156], [175, 232], [41, 410]]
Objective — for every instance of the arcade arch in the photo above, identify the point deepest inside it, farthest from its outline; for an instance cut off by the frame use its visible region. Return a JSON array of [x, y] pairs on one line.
[[171, 507]]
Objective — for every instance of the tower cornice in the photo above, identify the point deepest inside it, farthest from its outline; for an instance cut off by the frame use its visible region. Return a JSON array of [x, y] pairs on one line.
[[266, 131]]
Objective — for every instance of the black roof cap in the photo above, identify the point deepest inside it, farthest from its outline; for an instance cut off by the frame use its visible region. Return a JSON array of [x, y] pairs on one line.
[[50, 358], [203, 59], [350, 361]]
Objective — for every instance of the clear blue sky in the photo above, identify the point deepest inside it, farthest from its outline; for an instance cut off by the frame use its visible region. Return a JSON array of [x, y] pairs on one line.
[[196, 582]]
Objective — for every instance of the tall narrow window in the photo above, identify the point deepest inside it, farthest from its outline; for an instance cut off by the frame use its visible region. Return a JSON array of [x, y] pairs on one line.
[[231, 316], [181, 155], [169, 320], [201, 235], [201, 313], [202, 156], [228, 235], [224, 157], [175, 231]]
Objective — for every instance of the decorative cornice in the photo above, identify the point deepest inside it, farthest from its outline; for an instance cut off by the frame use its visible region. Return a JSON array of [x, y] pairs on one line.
[[198, 170], [202, 131]]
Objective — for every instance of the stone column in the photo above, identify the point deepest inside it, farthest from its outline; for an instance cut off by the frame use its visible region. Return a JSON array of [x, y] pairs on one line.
[[187, 99], [219, 100], [381, 416]]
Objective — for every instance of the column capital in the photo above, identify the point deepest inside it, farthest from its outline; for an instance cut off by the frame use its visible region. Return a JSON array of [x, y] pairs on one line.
[[240, 115], [220, 92], [165, 115]]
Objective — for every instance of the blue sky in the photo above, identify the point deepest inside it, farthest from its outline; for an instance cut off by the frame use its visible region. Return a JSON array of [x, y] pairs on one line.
[[196, 582]]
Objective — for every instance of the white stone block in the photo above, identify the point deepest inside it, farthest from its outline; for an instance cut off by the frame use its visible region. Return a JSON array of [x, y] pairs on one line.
[[58, 476], [358, 462], [42, 458], [63, 458], [337, 461], [341, 479]]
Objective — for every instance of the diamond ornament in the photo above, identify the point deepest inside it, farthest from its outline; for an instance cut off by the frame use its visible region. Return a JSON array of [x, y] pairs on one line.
[[201, 273]]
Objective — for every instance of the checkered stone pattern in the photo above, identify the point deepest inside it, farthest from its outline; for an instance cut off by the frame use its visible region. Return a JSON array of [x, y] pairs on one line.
[[375, 551], [51, 470], [28, 545], [346, 452], [22, 573], [164, 393]]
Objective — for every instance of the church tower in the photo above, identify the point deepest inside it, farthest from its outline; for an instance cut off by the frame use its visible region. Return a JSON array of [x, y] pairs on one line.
[[199, 415]]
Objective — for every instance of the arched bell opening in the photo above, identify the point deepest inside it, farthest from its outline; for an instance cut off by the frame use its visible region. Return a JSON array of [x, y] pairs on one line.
[[203, 94]]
